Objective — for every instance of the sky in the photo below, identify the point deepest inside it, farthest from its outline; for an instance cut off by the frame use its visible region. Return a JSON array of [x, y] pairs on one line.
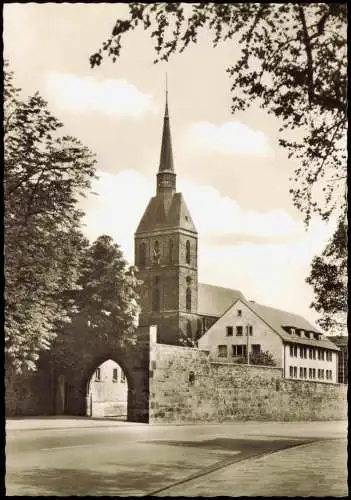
[[233, 174]]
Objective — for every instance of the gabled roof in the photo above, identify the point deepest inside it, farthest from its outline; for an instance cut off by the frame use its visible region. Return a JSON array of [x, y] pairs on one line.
[[165, 213], [215, 300], [277, 319]]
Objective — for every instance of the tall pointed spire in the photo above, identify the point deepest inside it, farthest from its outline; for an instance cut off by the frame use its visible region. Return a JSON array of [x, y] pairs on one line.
[[166, 157], [166, 177]]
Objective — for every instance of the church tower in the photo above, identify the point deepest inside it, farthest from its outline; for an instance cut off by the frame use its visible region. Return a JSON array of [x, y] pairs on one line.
[[166, 255]]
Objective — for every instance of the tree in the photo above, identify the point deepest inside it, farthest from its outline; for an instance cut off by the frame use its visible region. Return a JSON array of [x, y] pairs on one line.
[[329, 280], [104, 304], [263, 358], [45, 172], [293, 63]]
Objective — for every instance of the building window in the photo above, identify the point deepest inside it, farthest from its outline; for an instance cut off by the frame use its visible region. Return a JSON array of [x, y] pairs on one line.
[[292, 331], [156, 300], [171, 250], [239, 313], [157, 252], [229, 331], [98, 374], [115, 375], [142, 254], [298, 333], [310, 352], [295, 371], [123, 377], [188, 299], [187, 252], [189, 329], [256, 348], [239, 330], [250, 329], [314, 353], [239, 350], [301, 372], [316, 336], [291, 372], [188, 280], [305, 373], [307, 335], [222, 351], [293, 351], [310, 373], [313, 373], [329, 355], [322, 374]]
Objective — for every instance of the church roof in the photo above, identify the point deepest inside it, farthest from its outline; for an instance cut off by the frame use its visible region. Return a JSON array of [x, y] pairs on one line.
[[215, 300], [162, 213], [166, 157]]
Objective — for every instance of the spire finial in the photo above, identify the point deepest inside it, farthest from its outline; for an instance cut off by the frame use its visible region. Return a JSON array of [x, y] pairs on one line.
[[166, 110]]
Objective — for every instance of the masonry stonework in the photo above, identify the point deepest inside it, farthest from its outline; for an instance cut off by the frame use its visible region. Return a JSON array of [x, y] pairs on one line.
[[186, 386]]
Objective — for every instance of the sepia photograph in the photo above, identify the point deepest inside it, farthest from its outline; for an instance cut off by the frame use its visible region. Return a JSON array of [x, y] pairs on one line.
[[175, 249]]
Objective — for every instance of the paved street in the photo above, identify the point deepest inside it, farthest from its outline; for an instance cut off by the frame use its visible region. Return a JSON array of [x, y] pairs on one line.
[[65, 457]]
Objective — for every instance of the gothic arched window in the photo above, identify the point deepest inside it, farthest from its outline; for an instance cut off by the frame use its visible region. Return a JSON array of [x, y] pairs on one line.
[[188, 299], [171, 249], [156, 299], [142, 254], [189, 331], [187, 252]]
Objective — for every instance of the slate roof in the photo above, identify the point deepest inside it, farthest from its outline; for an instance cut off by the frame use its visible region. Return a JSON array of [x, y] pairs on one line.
[[215, 300], [277, 318], [165, 213]]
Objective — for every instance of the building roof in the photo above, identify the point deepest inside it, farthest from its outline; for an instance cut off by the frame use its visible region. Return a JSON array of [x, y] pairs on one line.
[[166, 157], [339, 340], [215, 300], [166, 213], [277, 319]]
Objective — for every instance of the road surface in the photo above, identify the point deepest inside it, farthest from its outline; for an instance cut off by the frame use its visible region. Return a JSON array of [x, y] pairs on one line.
[[63, 457]]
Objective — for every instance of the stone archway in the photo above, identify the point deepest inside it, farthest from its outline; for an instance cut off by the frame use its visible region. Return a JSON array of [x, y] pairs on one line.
[[60, 388]]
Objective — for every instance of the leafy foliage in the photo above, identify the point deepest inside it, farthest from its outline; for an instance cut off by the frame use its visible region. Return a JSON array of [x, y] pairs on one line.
[[263, 358], [329, 280], [104, 304], [44, 174], [293, 63]]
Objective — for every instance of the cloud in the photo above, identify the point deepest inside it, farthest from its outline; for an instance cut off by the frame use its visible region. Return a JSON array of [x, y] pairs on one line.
[[116, 98], [266, 255], [228, 138]]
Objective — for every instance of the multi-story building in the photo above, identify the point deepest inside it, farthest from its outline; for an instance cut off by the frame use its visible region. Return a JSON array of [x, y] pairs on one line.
[[341, 341], [295, 345]]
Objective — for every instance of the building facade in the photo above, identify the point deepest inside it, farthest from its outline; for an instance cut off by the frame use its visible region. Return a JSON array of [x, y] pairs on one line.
[[341, 341], [248, 328]]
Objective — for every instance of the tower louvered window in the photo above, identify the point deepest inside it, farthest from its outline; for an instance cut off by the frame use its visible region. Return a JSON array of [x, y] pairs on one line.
[[142, 254], [188, 299], [187, 252]]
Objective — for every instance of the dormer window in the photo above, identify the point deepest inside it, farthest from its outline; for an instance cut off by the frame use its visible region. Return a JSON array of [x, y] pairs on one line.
[[298, 333], [239, 313], [307, 334], [292, 330]]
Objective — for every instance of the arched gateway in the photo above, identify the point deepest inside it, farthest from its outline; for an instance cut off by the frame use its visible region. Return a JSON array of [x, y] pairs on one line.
[[61, 388]]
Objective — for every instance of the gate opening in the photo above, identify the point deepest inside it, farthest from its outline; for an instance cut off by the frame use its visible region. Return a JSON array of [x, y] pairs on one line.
[[107, 392]]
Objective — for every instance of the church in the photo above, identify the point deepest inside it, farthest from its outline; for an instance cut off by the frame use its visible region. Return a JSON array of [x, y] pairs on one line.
[[166, 255]]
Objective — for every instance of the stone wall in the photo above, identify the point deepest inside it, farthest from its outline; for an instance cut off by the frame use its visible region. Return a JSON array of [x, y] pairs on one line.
[[185, 386]]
